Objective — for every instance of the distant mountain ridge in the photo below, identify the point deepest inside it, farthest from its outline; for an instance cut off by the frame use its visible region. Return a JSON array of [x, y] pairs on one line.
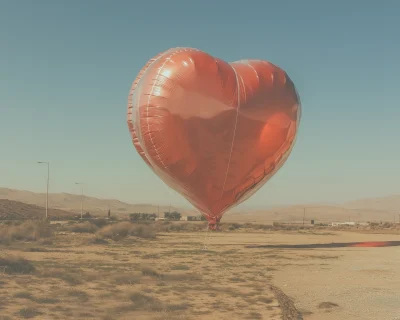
[[370, 209], [72, 203], [11, 210], [389, 203]]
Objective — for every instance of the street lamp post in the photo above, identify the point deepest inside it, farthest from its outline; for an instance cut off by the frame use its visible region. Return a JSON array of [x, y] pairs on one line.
[[48, 183], [81, 183]]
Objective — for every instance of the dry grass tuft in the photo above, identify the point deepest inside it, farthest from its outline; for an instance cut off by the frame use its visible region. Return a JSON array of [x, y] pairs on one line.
[[265, 300], [28, 313], [145, 302], [180, 267], [178, 226], [185, 277], [122, 230], [32, 230], [16, 265], [23, 295], [80, 295], [99, 223], [327, 305], [36, 249], [254, 316], [68, 277], [147, 271], [96, 240], [82, 227], [170, 277], [141, 301], [46, 300], [234, 226], [126, 279], [28, 296]]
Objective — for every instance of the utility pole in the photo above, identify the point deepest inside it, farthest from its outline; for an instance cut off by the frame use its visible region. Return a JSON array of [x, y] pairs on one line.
[[304, 216], [48, 184]]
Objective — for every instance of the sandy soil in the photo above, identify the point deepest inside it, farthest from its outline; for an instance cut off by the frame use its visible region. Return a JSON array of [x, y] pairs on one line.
[[349, 284], [169, 278], [172, 278]]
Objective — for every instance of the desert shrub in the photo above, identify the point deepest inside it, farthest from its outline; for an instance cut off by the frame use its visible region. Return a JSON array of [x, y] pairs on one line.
[[82, 296], [386, 225], [72, 278], [126, 279], [147, 271], [95, 240], [327, 305], [82, 227], [27, 231], [28, 313], [12, 222], [234, 226], [144, 231], [16, 265], [23, 295], [181, 227], [263, 227], [99, 223], [141, 301], [287, 226], [122, 230]]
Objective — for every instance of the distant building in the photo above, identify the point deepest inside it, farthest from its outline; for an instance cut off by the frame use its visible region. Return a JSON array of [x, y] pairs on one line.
[[194, 218], [190, 218], [336, 224]]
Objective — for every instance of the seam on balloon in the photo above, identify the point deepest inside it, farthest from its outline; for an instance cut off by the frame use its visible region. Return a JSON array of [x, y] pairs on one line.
[[247, 63], [176, 51], [133, 87], [148, 103], [234, 131], [151, 94], [135, 83]]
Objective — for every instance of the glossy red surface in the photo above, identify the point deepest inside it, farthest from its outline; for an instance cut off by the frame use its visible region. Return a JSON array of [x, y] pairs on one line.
[[214, 131]]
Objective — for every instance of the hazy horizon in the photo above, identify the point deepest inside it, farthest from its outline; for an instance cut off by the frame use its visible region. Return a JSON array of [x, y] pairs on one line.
[[67, 68], [190, 207]]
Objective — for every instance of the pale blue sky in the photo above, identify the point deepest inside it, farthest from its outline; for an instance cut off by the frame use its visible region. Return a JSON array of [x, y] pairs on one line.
[[66, 68]]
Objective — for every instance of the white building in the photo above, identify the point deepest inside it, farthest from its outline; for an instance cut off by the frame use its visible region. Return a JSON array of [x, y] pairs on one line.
[[336, 224]]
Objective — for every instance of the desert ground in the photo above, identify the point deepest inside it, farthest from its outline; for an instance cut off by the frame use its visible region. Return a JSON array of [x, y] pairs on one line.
[[121, 270]]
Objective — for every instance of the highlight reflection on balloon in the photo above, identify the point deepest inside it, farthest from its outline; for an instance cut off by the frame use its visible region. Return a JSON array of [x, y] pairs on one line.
[[214, 131]]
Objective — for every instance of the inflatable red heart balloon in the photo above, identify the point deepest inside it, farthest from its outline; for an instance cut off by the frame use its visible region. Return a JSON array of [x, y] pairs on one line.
[[213, 131]]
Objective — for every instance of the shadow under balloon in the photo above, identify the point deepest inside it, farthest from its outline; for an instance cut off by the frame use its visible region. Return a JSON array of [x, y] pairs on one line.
[[372, 244]]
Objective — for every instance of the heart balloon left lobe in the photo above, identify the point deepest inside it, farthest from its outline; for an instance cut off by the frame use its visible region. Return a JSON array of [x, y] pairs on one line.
[[213, 131]]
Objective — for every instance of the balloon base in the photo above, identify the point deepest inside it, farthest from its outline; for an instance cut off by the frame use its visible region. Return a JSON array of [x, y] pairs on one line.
[[214, 227]]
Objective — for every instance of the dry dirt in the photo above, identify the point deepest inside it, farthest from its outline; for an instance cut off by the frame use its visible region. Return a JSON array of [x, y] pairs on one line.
[[172, 277], [343, 283]]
